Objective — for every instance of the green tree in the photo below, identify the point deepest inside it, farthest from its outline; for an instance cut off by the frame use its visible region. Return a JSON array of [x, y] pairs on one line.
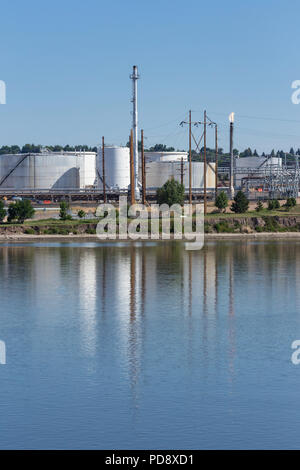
[[240, 204], [64, 209], [31, 148], [171, 193], [290, 202], [20, 211], [81, 214], [259, 206], [221, 201], [276, 204], [273, 204], [2, 211]]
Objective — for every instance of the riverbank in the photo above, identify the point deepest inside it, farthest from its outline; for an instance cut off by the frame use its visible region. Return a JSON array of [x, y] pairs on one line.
[[93, 238], [215, 226]]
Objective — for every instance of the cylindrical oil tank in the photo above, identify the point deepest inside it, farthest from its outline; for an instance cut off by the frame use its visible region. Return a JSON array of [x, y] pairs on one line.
[[117, 167], [48, 171], [166, 156], [157, 173]]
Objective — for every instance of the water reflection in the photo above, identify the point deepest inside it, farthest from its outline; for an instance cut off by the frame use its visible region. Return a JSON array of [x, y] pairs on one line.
[[127, 295]]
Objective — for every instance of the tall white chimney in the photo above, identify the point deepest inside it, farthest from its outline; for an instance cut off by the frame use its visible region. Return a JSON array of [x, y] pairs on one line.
[[134, 77]]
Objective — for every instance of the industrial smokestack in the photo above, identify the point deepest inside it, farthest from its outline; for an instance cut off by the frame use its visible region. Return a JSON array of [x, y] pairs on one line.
[[231, 120], [134, 77]]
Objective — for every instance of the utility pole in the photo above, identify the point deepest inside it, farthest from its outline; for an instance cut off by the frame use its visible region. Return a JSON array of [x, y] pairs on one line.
[[189, 122], [143, 168], [181, 171], [103, 172], [216, 158], [132, 192], [204, 175], [231, 120]]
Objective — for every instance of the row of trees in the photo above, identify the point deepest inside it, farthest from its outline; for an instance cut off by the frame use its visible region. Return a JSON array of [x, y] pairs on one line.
[[32, 148], [241, 203], [172, 192], [196, 156]]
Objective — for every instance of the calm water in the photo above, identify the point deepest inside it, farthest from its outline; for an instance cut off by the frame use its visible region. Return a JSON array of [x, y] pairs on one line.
[[149, 346]]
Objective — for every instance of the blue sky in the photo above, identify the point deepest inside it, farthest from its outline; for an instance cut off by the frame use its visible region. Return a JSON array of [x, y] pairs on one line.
[[66, 65]]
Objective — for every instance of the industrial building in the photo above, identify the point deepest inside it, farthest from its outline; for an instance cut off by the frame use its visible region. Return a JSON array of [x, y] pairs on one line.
[[250, 168], [160, 167], [48, 170]]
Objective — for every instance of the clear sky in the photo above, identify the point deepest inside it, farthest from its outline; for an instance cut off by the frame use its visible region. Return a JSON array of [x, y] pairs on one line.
[[66, 65]]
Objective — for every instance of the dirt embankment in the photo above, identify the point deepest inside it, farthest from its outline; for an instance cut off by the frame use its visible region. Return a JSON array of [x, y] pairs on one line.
[[33, 229], [252, 224], [213, 225]]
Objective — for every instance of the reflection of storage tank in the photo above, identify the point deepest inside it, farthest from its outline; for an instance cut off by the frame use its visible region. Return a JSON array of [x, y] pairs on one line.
[[117, 167], [69, 170]]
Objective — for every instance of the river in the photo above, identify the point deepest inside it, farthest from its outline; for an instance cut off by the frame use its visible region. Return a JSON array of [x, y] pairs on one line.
[[149, 346]]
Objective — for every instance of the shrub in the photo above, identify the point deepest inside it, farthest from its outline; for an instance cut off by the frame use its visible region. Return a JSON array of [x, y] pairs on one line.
[[223, 227], [91, 231], [63, 231], [207, 227], [240, 204], [290, 202], [53, 230], [276, 204], [221, 201], [271, 224], [273, 204], [171, 193], [81, 214], [29, 231], [259, 206], [64, 209], [2, 211], [20, 211]]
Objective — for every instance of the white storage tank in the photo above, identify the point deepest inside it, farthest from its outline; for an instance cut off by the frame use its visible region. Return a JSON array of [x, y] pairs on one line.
[[117, 167], [166, 156], [157, 173], [69, 170]]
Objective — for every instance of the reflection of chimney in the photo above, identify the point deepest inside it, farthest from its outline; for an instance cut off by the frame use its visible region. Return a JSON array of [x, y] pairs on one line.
[[133, 340], [132, 284], [231, 316], [104, 251], [190, 283], [204, 281], [143, 284]]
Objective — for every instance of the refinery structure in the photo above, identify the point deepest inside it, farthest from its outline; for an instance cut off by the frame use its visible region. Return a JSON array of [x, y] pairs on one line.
[[113, 170]]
